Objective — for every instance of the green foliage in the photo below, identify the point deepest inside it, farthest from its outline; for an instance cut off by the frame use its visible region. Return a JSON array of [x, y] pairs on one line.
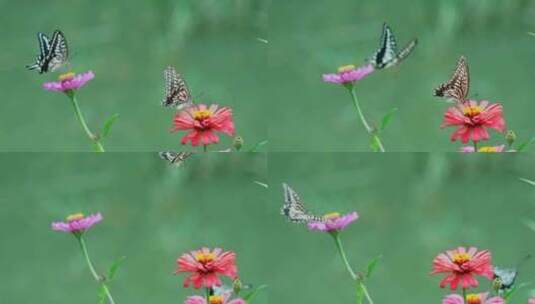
[[372, 265], [114, 267], [359, 292], [386, 119], [107, 125], [258, 146], [253, 293]]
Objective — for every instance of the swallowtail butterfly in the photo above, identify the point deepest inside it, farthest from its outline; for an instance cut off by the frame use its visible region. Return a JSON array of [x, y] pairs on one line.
[[293, 208], [459, 84], [177, 93], [53, 53], [175, 158], [388, 55]]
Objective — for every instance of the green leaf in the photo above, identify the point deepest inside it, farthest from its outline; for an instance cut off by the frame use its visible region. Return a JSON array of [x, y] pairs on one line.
[[372, 265], [360, 293], [387, 118], [525, 180], [374, 143], [114, 267], [251, 295], [513, 291], [525, 144], [108, 124], [258, 146], [101, 294]]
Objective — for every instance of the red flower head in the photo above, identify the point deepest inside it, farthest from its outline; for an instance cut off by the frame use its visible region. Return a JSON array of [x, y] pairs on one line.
[[461, 266], [206, 265], [473, 120], [204, 121]]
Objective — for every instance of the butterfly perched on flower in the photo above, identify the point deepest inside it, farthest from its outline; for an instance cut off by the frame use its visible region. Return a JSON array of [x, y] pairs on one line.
[[504, 278], [294, 210], [53, 53], [459, 84], [388, 54], [177, 93], [175, 158]]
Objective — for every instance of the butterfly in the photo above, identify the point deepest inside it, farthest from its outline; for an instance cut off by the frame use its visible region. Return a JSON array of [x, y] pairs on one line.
[[388, 55], [294, 210], [504, 278], [177, 93], [175, 158], [459, 84], [52, 53]]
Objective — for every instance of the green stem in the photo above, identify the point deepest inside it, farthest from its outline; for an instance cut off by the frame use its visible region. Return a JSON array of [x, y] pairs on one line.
[[205, 148], [475, 146], [363, 119], [81, 119], [464, 290], [93, 271]]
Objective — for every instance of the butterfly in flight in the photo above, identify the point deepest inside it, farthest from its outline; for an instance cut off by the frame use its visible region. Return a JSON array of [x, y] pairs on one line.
[[53, 53], [177, 93], [388, 55], [459, 84], [175, 158], [294, 210]]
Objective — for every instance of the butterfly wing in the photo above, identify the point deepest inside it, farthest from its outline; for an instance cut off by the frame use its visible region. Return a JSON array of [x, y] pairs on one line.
[[59, 51], [44, 49], [505, 277], [175, 158], [293, 207], [387, 52], [405, 52], [458, 86], [177, 93]]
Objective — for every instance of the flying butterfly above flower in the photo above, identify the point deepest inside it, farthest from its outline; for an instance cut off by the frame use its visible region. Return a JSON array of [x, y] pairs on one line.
[[175, 158], [459, 84], [53, 53], [177, 93], [388, 54], [294, 210]]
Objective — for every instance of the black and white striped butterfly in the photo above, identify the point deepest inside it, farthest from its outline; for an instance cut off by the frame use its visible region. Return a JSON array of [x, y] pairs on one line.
[[175, 158], [177, 93], [53, 53], [294, 210], [459, 84], [388, 55]]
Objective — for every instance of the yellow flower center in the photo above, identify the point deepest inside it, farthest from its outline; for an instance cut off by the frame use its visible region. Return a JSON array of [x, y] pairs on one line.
[[66, 76], [204, 257], [75, 217], [488, 149], [216, 299], [461, 258], [331, 216], [472, 111], [202, 114], [346, 68], [473, 298]]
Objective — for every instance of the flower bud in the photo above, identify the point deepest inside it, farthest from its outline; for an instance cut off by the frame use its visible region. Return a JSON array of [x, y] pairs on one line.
[[510, 137], [237, 143]]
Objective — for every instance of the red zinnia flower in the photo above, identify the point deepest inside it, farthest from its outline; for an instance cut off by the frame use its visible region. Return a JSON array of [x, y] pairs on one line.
[[206, 265], [461, 266], [473, 119], [204, 121]]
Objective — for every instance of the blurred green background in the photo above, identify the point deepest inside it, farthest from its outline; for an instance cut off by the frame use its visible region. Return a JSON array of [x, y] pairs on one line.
[[152, 212], [411, 207], [308, 38], [128, 44]]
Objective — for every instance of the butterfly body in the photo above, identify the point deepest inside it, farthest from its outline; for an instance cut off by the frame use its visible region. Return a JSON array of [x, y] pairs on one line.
[[294, 210], [177, 93], [458, 86], [53, 53], [388, 55], [175, 158]]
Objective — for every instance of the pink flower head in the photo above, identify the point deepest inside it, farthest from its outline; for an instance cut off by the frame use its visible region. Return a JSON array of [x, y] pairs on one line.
[[531, 301], [485, 149], [206, 265], [349, 73], [77, 223], [473, 119], [214, 299], [333, 222], [473, 298], [461, 265], [203, 122], [69, 82]]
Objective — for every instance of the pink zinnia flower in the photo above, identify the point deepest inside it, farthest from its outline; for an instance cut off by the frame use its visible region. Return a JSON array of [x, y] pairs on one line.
[[473, 298], [461, 265], [333, 222], [215, 299], [486, 149], [77, 223], [473, 119], [531, 301], [69, 82], [348, 73], [206, 265], [203, 122]]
